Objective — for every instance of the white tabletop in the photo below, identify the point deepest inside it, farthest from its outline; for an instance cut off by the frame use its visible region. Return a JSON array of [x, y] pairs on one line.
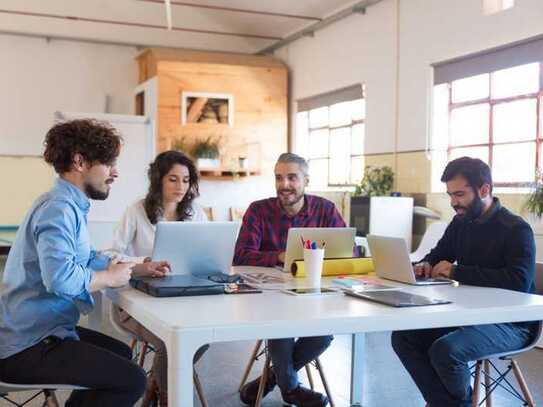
[[186, 323], [329, 314]]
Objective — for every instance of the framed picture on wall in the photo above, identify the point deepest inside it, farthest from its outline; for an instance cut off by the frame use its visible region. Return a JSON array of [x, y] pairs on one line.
[[204, 107]]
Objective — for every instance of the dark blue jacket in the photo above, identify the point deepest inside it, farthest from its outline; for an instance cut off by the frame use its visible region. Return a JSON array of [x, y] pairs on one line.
[[494, 250]]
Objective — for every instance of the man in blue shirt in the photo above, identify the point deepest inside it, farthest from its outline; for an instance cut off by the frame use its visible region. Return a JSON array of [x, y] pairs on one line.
[[52, 270]]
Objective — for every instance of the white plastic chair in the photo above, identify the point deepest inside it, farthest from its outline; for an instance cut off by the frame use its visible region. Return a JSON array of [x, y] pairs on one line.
[[362, 241], [433, 233], [498, 378], [48, 391]]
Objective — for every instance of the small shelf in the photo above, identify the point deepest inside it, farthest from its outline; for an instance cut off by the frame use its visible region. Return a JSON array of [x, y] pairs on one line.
[[225, 174]]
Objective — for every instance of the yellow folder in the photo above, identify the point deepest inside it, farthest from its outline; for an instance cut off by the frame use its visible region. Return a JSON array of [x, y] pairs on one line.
[[336, 267]]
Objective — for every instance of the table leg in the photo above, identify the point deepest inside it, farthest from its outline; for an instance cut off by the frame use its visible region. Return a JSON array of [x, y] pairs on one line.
[[181, 350], [357, 367]]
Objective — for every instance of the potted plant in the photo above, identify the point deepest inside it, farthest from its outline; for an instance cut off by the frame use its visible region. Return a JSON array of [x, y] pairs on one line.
[[534, 203], [181, 144], [377, 181], [207, 153]]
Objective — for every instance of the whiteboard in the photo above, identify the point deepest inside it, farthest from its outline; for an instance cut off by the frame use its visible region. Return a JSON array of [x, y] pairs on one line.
[[137, 152]]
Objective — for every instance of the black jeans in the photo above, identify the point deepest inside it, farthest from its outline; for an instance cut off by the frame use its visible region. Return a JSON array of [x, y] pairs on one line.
[[96, 361]]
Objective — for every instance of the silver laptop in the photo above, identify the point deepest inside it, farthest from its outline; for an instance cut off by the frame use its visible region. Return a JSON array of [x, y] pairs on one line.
[[339, 243], [391, 261], [199, 249]]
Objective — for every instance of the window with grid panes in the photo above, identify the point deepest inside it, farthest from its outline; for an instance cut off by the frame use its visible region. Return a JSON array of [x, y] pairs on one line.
[[495, 116], [331, 138]]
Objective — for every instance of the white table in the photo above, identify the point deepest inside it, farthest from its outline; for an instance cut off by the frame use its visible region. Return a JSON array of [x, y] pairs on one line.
[[186, 323]]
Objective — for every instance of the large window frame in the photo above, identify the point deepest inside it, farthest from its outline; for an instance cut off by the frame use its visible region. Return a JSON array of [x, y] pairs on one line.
[[491, 144], [352, 180]]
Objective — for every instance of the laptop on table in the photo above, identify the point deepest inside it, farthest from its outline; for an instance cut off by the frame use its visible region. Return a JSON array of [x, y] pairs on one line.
[[198, 253], [391, 260], [339, 243]]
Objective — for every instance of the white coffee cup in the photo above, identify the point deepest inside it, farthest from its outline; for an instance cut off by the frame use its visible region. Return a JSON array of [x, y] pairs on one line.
[[313, 261]]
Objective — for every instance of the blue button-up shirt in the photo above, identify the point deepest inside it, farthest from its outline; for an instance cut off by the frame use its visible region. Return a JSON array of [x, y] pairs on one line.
[[48, 271]]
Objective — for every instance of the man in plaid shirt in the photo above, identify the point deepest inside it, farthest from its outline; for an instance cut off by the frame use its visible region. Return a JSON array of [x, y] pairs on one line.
[[262, 242]]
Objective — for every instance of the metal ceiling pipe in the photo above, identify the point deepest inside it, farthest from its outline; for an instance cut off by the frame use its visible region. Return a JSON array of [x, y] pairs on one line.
[[142, 25], [236, 10], [358, 8]]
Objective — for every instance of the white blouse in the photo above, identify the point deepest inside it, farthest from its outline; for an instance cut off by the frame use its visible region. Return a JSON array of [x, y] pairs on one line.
[[134, 236]]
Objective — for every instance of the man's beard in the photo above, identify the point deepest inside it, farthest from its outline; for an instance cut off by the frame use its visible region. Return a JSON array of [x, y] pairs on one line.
[[96, 194], [291, 199], [473, 210]]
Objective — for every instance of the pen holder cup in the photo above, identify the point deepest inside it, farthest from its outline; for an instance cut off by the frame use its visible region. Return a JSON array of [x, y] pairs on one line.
[[313, 261]]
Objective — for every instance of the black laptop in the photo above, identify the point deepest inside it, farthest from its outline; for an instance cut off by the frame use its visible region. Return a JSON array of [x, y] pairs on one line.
[[176, 285]]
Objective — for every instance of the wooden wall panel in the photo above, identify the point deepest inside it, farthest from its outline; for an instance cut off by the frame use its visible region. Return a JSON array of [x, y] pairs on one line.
[[260, 100]]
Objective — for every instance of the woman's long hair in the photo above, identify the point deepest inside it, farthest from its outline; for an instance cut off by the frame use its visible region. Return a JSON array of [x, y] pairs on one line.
[[157, 171]]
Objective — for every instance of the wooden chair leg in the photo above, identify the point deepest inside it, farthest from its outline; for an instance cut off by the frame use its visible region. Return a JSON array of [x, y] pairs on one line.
[[488, 383], [199, 389], [324, 381], [250, 363], [263, 380], [133, 343], [50, 398], [476, 384], [522, 383], [310, 376], [142, 354]]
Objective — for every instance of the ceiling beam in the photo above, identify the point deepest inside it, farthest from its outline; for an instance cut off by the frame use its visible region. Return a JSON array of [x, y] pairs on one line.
[[141, 25], [357, 8], [236, 10]]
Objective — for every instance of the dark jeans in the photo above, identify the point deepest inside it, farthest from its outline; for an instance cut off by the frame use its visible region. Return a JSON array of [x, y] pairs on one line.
[[97, 361], [288, 356], [437, 359]]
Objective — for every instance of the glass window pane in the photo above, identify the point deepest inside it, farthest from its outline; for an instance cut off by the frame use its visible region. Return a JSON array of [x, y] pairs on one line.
[[473, 152], [318, 173], [340, 156], [514, 163], [440, 131], [357, 169], [515, 81], [340, 114], [318, 117], [469, 125], [318, 143], [358, 107], [302, 134], [357, 139], [515, 121], [472, 88]]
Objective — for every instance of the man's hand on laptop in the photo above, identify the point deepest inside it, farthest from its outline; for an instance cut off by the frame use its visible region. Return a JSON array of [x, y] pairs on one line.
[[152, 269], [423, 269], [442, 269]]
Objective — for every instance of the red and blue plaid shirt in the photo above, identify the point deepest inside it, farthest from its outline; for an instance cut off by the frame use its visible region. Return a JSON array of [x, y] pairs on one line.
[[264, 231]]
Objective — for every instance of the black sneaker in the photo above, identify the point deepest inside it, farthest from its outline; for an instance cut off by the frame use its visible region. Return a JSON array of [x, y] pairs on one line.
[[249, 392], [304, 397]]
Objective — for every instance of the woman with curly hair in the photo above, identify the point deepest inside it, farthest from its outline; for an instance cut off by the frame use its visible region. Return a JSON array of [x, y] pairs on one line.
[[173, 187]]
